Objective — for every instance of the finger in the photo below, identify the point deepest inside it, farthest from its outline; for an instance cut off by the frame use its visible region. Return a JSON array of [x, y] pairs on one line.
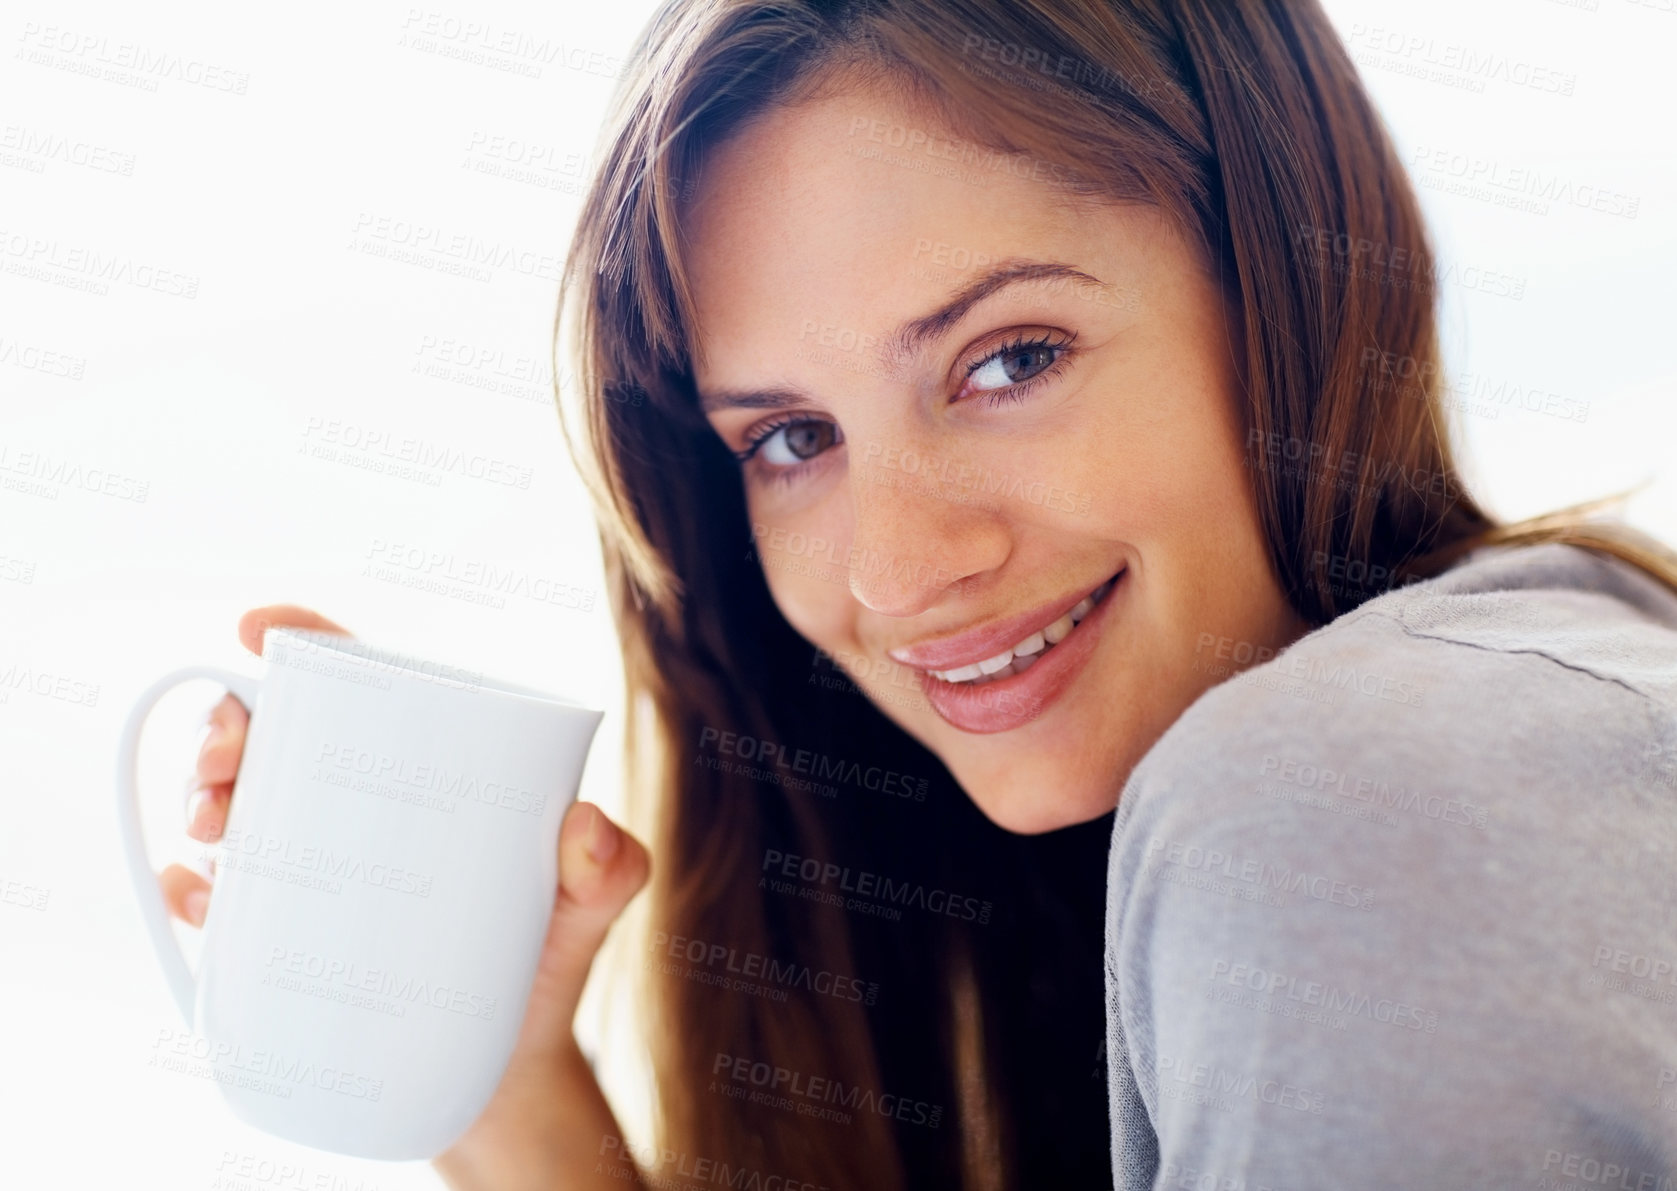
[[228, 713], [601, 867], [206, 812], [218, 756], [284, 616], [185, 893]]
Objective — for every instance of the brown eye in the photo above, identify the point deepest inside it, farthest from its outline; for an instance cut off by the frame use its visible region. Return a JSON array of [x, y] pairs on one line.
[[806, 440], [796, 442]]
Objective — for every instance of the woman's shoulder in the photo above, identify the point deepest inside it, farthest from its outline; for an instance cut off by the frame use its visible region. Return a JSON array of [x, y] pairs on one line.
[[1486, 711], [1541, 656], [1581, 609], [1418, 868]]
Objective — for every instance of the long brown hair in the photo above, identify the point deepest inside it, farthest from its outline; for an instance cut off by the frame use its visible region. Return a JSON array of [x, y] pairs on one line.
[[1245, 121]]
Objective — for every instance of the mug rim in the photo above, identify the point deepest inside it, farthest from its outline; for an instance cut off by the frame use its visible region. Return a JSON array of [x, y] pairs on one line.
[[362, 653]]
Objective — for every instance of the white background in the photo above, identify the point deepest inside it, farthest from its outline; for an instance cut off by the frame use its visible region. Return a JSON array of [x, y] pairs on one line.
[[211, 401]]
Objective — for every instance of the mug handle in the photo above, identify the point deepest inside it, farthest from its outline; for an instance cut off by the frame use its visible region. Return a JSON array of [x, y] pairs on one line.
[[152, 906]]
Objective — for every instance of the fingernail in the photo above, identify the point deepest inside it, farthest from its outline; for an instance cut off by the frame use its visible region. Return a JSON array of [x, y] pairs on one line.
[[603, 837], [195, 904], [210, 739]]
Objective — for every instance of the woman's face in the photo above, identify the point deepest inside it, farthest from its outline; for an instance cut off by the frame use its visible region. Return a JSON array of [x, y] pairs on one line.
[[970, 407]]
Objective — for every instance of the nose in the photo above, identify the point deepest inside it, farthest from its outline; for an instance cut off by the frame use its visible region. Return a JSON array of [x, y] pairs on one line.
[[916, 538]]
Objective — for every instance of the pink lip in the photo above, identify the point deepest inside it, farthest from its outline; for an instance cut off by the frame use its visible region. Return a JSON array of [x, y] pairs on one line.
[[1013, 702], [1006, 703], [974, 645]]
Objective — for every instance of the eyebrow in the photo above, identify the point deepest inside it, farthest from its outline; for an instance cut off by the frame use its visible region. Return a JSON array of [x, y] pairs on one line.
[[914, 333]]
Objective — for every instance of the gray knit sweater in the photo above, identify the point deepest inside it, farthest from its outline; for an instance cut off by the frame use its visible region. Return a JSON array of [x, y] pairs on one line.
[[1398, 907]]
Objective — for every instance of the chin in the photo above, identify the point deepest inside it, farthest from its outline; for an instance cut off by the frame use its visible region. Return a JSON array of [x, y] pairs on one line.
[[1037, 802]]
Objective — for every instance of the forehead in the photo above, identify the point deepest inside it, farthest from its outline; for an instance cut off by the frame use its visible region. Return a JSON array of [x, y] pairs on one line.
[[854, 212]]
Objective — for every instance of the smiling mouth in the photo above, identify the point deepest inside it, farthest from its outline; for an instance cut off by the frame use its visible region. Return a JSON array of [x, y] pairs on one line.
[[1026, 653]]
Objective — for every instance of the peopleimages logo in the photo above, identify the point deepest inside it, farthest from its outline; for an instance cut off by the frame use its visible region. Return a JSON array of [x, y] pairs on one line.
[[48, 685], [18, 893], [955, 475], [955, 152], [81, 267], [475, 580], [175, 1049], [312, 865], [1630, 963], [1204, 1083], [38, 147], [1397, 266], [1351, 471], [815, 765], [660, 1168], [96, 54], [1374, 790], [423, 775], [437, 457], [362, 658], [29, 358], [512, 50], [1313, 670], [35, 473], [794, 552], [351, 977], [401, 236], [1259, 874], [774, 1079], [240, 1171], [1327, 996], [754, 966], [864, 884], [1596, 1173], [1452, 63]]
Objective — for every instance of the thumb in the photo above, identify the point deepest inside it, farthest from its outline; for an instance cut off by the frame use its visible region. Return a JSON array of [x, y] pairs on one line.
[[601, 868]]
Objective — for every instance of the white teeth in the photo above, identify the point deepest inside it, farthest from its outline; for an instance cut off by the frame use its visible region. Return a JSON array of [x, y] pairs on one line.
[[1032, 644], [1025, 654], [1056, 632], [991, 665]]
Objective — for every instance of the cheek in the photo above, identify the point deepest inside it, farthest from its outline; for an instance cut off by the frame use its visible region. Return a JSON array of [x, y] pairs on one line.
[[804, 555], [1164, 459]]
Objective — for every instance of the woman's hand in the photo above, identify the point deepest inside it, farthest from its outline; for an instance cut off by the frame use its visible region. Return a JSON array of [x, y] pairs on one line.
[[547, 1122]]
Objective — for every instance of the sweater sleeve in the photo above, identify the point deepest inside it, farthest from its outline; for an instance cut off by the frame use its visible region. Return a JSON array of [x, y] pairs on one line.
[[1359, 942]]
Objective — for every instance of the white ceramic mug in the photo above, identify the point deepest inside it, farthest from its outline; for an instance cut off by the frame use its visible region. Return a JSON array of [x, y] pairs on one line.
[[383, 890]]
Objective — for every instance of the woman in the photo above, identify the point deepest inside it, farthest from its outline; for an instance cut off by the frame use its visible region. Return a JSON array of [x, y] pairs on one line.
[[1000, 412]]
